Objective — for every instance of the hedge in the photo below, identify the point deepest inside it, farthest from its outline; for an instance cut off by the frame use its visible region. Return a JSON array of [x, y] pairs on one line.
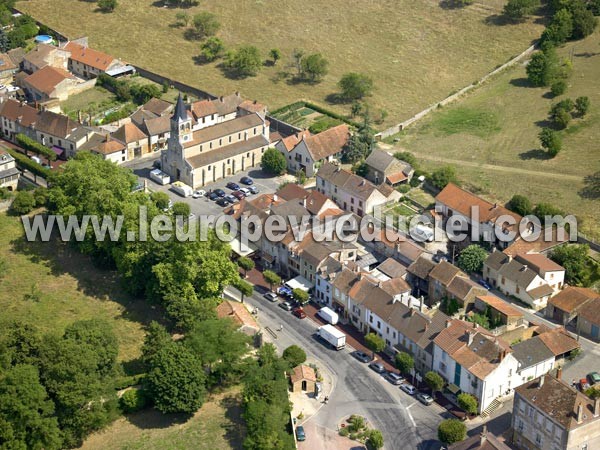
[[26, 163], [318, 109], [29, 144]]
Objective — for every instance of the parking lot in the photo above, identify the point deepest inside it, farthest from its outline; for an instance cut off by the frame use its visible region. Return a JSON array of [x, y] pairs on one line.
[[265, 183]]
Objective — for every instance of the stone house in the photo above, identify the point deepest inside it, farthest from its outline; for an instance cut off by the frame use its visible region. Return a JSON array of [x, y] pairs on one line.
[[564, 307], [303, 379], [384, 168]]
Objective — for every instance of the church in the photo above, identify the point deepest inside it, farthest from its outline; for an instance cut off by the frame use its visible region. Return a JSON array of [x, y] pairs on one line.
[[213, 139]]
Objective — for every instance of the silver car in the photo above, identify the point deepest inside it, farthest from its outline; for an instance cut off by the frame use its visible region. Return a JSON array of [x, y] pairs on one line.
[[408, 388], [271, 296], [424, 398]]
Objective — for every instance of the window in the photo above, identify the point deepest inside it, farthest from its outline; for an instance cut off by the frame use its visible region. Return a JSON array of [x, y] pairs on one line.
[[520, 426], [518, 290], [387, 330], [371, 319], [442, 367], [352, 200], [538, 439], [220, 142], [378, 324], [503, 280]]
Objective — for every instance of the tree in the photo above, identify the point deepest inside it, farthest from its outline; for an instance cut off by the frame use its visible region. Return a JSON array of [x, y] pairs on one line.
[[374, 440], [545, 68], [181, 209], [297, 56], [559, 87], [582, 105], [205, 24], [275, 55], [520, 204], [355, 86], [133, 400], [434, 381], [245, 264], [584, 21], [516, 10], [356, 108], [314, 67], [107, 5], [183, 18], [26, 412], [99, 336], [550, 141], [294, 355], [360, 144], [375, 343], [561, 118], [559, 30], [592, 186], [245, 62], [244, 287], [301, 296], [471, 259], [451, 431], [23, 203], [156, 339], [542, 210], [143, 93], [442, 176], [41, 196], [272, 278], [273, 161], [212, 48], [580, 270], [404, 362], [161, 199], [467, 402], [176, 380]]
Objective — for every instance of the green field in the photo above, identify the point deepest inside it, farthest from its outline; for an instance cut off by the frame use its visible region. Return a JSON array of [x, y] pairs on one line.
[[491, 137], [70, 289], [416, 52], [217, 425]]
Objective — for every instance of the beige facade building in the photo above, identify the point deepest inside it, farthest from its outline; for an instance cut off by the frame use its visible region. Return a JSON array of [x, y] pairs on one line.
[[9, 174]]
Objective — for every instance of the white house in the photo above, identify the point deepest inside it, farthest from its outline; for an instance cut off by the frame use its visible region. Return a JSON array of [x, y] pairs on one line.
[[534, 357]]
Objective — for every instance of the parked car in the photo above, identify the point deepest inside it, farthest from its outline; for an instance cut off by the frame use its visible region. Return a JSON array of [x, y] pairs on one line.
[[213, 196], [408, 388], [377, 367], [583, 384], [394, 378], [593, 377], [286, 305], [361, 356], [424, 398], [285, 291], [300, 434], [223, 202], [220, 192], [198, 194], [246, 191], [484, 283], [231, 198], [271, 296], [238, 194], [253, 189], [299, 313], [233, 186], [247, 181], [156, 164]]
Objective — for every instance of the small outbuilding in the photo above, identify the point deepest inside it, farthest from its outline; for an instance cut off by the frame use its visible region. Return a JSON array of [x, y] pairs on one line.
[[303, 378]]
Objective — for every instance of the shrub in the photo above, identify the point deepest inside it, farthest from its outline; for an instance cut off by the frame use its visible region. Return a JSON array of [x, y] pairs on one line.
[[558, 88], [212, 49], [205, 24], [244, 62], [374, 440], [467, 402], [23, 203], [33, 146], [107, 5], [520, 204], [133, 400], [451, 431], [273, 161], [344, 432], [550, 141], [355, 86], [26, 163], [582, 105], [294, 355], [442, 176], [403, 188]]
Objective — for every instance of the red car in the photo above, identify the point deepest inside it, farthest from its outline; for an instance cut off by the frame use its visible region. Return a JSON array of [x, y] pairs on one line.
[[299, 313]]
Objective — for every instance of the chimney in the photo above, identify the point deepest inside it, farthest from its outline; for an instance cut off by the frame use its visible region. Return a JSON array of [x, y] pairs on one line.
[[596, 407], [509, 258], [469, 337], [421, 301], [524, 268], [275, 198], [237, 93], [304, 202], [559, 373], [541, 382], [426, 326], [579, 413], [475, 325], [448, 323], [483, 435], [495, 205], [502, 355]]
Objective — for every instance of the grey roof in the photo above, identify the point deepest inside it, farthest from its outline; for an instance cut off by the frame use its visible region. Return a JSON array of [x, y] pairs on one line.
[[9, 172], [360, 187], [180, 111], [421, 268], [531, 352], [519, 273], [55, 124], [379, 160]]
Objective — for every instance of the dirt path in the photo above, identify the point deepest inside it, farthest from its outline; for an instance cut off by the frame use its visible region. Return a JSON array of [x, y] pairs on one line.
[[458, 162]]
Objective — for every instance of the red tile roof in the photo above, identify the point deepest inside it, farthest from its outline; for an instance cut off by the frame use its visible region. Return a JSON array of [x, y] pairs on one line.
[[328, 142], [572, 298], [89, 56], [47, 78], [500, 305], [559, 341], [539, 262]]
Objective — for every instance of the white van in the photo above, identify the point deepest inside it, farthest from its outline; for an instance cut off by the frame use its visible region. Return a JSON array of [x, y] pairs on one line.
[[421, 233], [158, 176], [182, 189]]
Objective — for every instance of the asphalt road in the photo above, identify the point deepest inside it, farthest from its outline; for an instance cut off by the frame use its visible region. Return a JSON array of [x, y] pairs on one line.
[[404, 422]]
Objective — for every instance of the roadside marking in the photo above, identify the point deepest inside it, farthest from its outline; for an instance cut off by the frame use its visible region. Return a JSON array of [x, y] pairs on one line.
[[412, 404], [411, 417]]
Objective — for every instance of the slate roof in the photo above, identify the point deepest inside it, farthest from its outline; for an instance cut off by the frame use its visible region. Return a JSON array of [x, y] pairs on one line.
[[180, 112], [531, 352], [572, 298], [380, 160], [558, 400]]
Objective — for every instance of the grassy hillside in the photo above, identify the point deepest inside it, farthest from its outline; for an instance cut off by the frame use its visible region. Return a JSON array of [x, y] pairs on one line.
[[416, 52], [70, 288], [491, 136]]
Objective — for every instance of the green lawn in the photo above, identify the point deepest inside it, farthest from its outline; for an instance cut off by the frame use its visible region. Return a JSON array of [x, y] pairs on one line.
[[71, 289], [416, 52], [498, 125], [217, 425]]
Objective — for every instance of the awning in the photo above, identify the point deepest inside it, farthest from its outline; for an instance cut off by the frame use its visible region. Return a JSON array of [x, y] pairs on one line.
[[454, 389], [242, 249], [59, 151], [299, 283], [122, 70]]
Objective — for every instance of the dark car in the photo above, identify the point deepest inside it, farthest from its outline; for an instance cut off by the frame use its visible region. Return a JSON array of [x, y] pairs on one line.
[[213, 196], [361, 356], [300, 434], [231, 198], [286, 305], [253, 189], [424, 398], [394, 378], [223, 202], [220, 192], [593, 377], [238, 194], [233, 186], [247, 181], [484, 283], [377, 367], [299, 313]]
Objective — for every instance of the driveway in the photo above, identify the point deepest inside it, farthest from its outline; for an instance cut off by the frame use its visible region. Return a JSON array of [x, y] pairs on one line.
[[404, 422]]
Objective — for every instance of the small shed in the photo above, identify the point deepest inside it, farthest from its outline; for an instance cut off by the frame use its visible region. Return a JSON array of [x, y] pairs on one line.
[[303, 378]]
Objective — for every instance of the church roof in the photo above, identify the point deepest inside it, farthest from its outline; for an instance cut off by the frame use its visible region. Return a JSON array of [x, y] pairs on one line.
[[180, 111]]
